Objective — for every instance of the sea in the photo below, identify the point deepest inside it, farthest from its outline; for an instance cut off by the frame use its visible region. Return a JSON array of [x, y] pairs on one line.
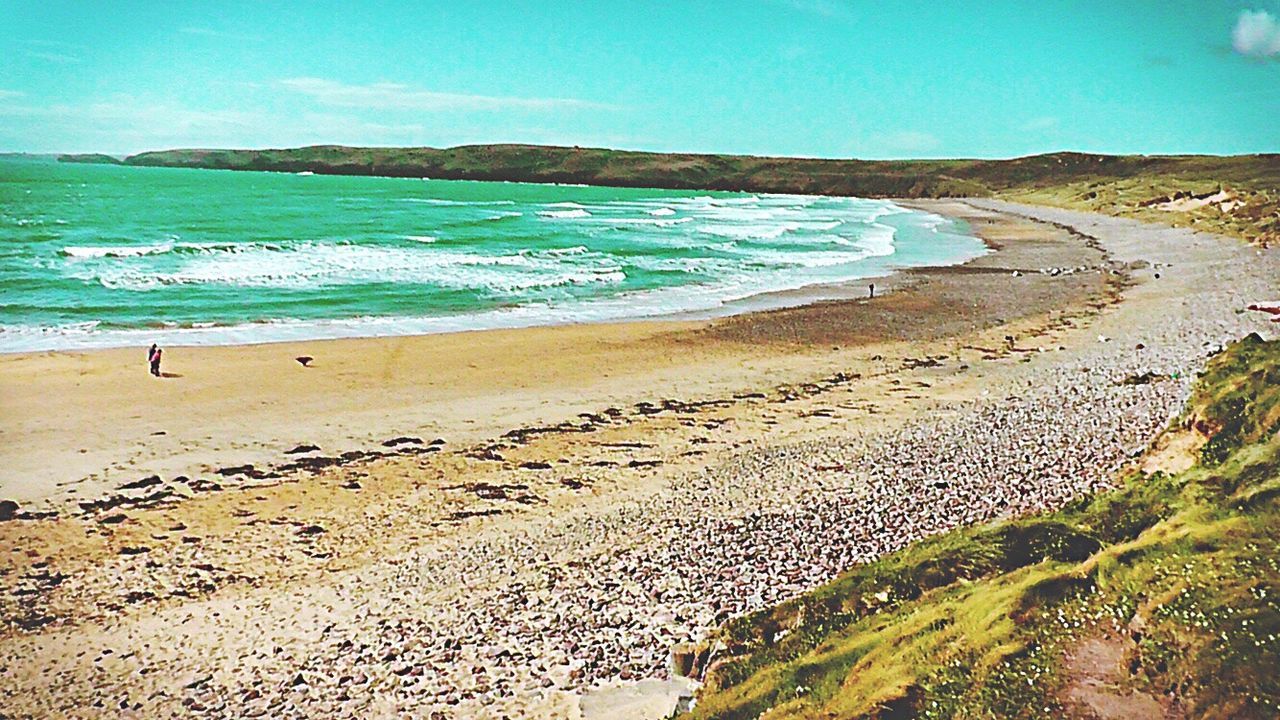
[[105, 256]]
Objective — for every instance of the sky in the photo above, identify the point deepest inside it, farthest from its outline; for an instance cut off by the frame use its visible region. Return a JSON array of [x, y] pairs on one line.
[[817, 78]]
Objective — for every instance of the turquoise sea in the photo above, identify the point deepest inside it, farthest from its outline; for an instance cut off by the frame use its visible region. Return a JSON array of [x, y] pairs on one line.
[[101, 255]]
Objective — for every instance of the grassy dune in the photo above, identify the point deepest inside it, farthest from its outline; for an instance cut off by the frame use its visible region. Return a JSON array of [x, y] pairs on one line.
[[1122, 185], [1160, 595]]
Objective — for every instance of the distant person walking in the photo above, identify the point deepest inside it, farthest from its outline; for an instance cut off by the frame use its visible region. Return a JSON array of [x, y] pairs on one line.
[[153, 357], [871, 290]]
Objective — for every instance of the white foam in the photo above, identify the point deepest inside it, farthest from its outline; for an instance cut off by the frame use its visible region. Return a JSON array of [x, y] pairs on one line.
[[877, 240], [117, 251], [656, 222], [563, 252], [662, 211], [454, 203], [504, 216], [564, 214], [747, 232]]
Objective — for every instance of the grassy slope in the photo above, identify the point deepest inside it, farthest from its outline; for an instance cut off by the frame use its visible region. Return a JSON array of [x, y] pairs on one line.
[[1181, 570], [1113, 184]]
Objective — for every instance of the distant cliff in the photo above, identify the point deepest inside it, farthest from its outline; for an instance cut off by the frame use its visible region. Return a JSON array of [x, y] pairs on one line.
[[90, 158]]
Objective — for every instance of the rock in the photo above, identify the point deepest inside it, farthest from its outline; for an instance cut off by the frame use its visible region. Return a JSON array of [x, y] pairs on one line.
[[644, 463], [246, 470], [198, 682], [307, 530], [686, 659], [8, 510], [145, 482], [300, 449], [402, 440]]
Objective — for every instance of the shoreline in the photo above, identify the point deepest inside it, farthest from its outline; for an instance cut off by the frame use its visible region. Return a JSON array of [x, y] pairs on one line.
[[606, 310], [179, 337], [81, 462], [622, 492]]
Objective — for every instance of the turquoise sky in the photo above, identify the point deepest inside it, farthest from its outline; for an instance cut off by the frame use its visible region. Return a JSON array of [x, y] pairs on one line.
[[786, 77]]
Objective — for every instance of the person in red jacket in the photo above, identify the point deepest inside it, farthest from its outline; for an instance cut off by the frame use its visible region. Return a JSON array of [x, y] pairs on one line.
[[153, 356]]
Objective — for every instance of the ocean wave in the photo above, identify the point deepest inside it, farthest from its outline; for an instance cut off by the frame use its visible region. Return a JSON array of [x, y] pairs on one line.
[[117, 251], [441, 202], [564, 252], [180, 248], [604, 276], [877, 239], [811, 259], [564, 214], [749, 200], [646, 253], [655, 222], [310, 266], [747, 232]]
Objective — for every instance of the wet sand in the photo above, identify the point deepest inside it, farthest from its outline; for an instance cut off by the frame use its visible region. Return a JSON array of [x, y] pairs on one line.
[[512, 568]]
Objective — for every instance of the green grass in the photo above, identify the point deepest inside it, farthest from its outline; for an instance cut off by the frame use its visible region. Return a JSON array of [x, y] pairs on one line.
[[976, 623]]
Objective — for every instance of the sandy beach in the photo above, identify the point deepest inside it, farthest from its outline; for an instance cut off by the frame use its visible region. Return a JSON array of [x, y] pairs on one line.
[[80, 424], [524, 522]]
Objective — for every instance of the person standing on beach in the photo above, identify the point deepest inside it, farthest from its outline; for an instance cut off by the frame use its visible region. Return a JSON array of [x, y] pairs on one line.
[[871, 289], [154, 358]]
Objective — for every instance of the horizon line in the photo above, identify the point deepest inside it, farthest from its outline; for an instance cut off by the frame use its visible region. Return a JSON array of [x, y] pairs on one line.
[[125, 156]]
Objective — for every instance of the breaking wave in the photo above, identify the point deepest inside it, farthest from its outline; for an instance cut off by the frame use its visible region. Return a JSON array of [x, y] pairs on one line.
[[287, 266]]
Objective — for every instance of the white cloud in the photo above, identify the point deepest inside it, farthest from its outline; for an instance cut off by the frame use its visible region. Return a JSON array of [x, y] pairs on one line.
[[394, 96], [126, 124], [1256, 34]]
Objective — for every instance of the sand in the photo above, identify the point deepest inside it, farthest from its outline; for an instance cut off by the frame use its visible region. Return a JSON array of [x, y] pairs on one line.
[[79, 424], [523, 566]]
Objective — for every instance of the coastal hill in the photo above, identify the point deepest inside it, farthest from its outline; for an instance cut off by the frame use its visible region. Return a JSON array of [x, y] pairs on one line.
[[1237, 195], [1154, 600], [89, 158]]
